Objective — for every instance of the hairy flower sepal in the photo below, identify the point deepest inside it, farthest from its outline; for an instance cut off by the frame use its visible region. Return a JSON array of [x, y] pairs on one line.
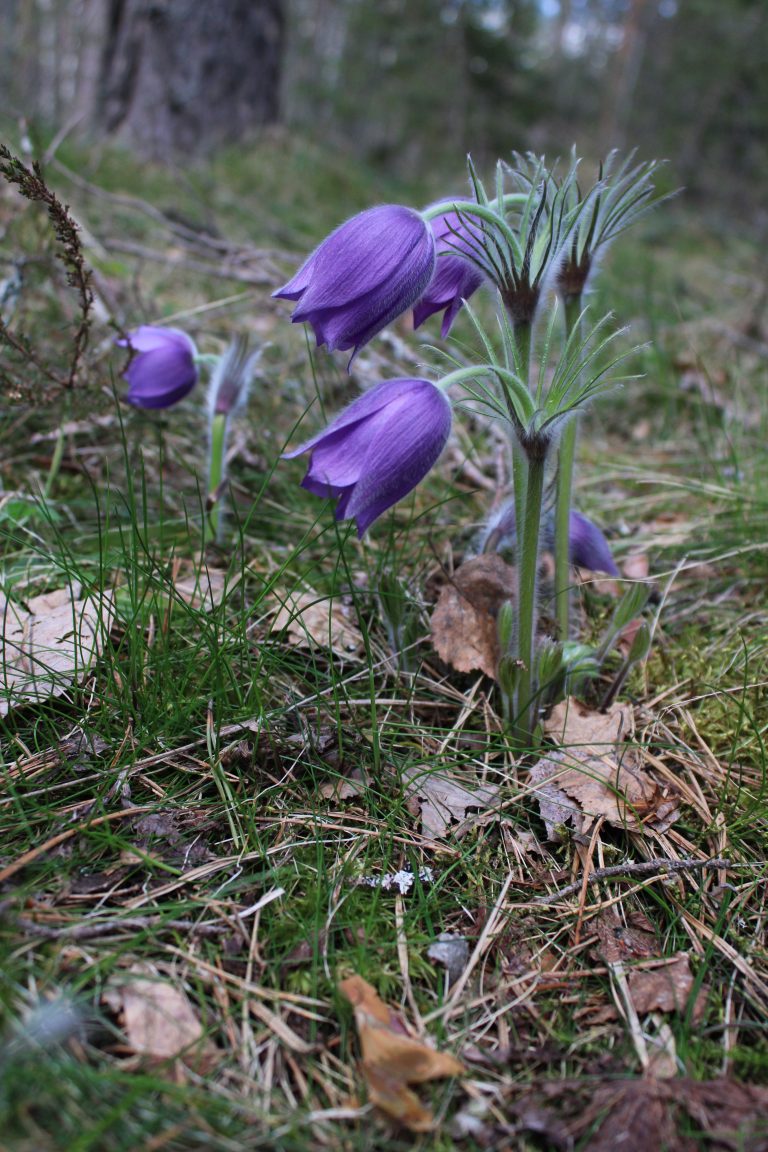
[[378, 449], [373, 268]]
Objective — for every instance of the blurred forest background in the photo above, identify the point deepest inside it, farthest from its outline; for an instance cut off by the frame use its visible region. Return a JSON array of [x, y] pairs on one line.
[[405, 84]]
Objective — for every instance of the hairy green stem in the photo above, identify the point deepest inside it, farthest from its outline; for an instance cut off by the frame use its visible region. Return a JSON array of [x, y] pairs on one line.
[[523, 336], [527, 573], [216, 471], [563, 496]]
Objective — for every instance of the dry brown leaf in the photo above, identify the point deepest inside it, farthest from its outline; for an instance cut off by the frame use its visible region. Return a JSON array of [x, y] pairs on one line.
[[203, 587], [392, 1059], [597, 770], [464, 620], [556, 809], [391, 1095], [621, 792], [571, 722], [636, 567], [620, 942], [678, 1115], [344, 787], [49, 643], [443, 799], [159, 1022], [311, 620], [666, 988]]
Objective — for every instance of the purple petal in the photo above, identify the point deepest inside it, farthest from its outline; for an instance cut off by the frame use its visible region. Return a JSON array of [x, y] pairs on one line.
[[454, 281], [402, 456], [147, 338], [370, 270], [160, 378], [588, 546], [378, 448], [366, 405]]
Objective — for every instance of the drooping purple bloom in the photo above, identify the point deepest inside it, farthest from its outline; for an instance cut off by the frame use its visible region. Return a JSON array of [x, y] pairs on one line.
[[163, 371], [370, 270], [588, 546], [454, 279], [378, 449]]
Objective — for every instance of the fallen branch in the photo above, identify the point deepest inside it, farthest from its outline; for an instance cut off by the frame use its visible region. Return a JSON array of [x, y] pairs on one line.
[[641, 868]]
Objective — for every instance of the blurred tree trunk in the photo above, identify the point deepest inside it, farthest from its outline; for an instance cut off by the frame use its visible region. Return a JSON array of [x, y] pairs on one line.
[[622, 83], [183, 76]]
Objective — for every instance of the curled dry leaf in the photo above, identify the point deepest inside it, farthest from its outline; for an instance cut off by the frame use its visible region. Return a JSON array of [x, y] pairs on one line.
[[443, 800], [50, 643], [160, 1023], [392, 1059], [464, 620], [311, 620]]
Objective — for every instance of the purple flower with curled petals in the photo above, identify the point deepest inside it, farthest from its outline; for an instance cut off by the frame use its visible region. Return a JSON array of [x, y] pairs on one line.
[[455, 278], [163, 370], [588, 547], [370, 270], [378, 449]]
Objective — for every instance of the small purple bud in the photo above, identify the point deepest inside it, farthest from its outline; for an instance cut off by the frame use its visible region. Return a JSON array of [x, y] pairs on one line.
[[163, 369], [588, 547], [454, 279], [370, 270], [378, 449]]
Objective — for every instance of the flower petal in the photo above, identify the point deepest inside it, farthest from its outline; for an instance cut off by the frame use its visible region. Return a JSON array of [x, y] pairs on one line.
[[160, 378], [588, 546]]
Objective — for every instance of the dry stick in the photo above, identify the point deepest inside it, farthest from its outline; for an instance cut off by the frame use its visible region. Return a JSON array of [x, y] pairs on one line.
[[641, 868]]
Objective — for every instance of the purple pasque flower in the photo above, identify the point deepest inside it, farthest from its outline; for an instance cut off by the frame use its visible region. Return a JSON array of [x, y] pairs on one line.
[[588, 546], [163, 369], [378, 449], [370, 270], [454, 279]]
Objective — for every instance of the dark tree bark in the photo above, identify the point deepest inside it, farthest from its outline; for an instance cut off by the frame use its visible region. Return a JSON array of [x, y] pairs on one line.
[[181, 76]]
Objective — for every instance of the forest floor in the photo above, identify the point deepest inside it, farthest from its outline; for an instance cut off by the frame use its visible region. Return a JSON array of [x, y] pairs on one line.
[[270, 874]]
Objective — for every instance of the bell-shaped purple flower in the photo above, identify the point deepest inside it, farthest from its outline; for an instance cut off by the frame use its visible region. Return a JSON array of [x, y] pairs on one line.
[[454, 279], [378, 449], [588, 547], [370, 270], [163, 371]]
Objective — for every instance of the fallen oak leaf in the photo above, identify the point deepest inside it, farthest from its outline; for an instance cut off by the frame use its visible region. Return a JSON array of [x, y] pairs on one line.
[[311, 620], [464, 631], [442, 799], [619, 790], [50, 643]]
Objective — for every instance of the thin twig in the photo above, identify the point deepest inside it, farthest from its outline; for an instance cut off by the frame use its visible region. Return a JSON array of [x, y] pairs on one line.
[[641, 868]]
